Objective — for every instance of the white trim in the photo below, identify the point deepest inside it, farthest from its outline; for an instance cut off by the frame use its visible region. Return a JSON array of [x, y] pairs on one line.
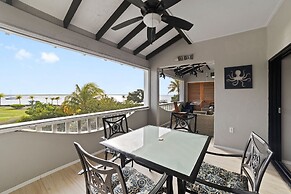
[[45, 174]]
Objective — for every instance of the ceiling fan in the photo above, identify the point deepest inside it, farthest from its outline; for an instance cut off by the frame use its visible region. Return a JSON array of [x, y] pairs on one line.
[[153, 12]]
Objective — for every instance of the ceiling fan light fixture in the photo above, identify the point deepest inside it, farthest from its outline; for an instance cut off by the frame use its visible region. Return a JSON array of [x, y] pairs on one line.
[[152, 20]]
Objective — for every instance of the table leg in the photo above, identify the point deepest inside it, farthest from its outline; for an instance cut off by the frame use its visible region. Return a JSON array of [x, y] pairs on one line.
[[122, 160], [181, 188], [170, 185]]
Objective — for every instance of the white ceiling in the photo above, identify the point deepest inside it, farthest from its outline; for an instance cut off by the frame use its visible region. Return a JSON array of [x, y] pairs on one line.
[[211, 18]]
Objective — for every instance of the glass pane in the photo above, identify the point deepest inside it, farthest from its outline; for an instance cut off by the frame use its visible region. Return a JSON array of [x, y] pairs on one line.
[[61, 127]]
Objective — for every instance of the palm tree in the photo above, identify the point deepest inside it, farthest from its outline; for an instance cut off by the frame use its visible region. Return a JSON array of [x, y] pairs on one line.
[[57, 99], [52, 99], [18, 97], [46, 99], [1, 96], [31, 97], [83, 100], [174, 86]]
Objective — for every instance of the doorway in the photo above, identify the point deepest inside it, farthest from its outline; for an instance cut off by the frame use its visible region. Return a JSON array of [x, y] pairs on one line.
[[279, 110]]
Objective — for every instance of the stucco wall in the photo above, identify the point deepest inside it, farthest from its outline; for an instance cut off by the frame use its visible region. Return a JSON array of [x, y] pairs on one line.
[[26, 155], [279, 29], [243, 109]]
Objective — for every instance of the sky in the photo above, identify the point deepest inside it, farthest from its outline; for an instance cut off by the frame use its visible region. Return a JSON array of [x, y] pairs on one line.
[[28, 66]]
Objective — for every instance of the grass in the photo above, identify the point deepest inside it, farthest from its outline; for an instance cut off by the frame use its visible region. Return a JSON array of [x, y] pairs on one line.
[[10, 115]]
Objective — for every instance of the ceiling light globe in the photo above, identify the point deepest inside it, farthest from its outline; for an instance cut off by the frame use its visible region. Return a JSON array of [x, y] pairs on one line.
[[152, 20]]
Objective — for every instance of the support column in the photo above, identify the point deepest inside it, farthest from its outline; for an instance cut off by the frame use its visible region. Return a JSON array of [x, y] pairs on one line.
[[153, 113]]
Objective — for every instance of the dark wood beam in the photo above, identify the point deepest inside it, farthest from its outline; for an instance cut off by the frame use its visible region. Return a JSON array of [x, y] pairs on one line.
[[9, 2], [183, 35], [164, 46], [132, 34], [71, 12], [123, 6], [147, 43]]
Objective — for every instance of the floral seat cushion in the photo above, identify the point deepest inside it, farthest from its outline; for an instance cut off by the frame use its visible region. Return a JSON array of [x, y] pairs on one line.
[[136, 182], [217, 176]]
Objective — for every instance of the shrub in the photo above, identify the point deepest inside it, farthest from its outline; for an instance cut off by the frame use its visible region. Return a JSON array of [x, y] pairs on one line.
[[42, 111], [17, 106]]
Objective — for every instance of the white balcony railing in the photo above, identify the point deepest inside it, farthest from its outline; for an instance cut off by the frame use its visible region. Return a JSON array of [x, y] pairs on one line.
[[167, 106], [84, 123]]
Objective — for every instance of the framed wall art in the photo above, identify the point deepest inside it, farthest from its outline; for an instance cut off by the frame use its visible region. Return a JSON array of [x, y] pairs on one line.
[[238, 77]]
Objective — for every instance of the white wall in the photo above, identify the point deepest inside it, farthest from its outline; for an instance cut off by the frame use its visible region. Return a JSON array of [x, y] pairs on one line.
[[279, 30], [26, 155], [243, 109]]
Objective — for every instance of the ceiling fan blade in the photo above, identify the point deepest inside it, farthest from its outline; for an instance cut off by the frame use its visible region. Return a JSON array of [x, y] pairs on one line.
[[152, 2], [151, 34], [126, 23], [177, 22], [137, 3], [170, 3]]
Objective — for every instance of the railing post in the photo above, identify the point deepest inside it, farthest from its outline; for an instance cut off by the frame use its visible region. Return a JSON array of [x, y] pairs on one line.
[[38, 128], [88, 125], [79, 126], [67, 126], [54, 128]]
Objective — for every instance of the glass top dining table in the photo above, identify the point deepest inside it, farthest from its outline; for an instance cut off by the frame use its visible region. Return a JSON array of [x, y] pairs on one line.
[[174, 152]]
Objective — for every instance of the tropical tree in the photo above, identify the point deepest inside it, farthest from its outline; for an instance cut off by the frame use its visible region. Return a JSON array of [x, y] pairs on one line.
[[1, 96], [57, 99], [32, 99], [83, 99], [18, 97], [41, 110], [52, 100], [46, 99], [174, 87], [136, 96]]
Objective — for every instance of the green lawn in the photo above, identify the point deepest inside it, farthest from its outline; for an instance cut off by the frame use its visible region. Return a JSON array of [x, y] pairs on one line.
[[10, 115]]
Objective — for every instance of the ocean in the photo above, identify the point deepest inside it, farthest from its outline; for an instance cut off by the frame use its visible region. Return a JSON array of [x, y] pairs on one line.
[[47, 98]]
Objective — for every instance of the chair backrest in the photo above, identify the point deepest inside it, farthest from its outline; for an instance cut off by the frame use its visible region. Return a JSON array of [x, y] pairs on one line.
[[256, 159], [184, 121], [176, 107], [114, 125], [97, 178]]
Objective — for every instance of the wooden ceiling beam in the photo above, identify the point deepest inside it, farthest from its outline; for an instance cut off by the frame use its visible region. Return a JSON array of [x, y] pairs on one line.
[[71, 12], [183, 35], [132, 34], [9, 2], [147, 43], [118, 12], [164, 46]]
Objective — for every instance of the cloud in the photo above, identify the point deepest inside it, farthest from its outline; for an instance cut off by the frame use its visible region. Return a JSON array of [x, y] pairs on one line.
[[22, 54], [49, 57]]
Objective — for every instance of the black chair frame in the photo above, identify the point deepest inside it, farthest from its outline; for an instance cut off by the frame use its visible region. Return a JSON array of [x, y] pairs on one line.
[[255, 160], [113, 126], [182, 121], [99, 178]]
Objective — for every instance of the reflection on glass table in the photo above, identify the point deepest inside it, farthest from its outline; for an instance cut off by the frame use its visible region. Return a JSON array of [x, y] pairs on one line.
[[177, 153]]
